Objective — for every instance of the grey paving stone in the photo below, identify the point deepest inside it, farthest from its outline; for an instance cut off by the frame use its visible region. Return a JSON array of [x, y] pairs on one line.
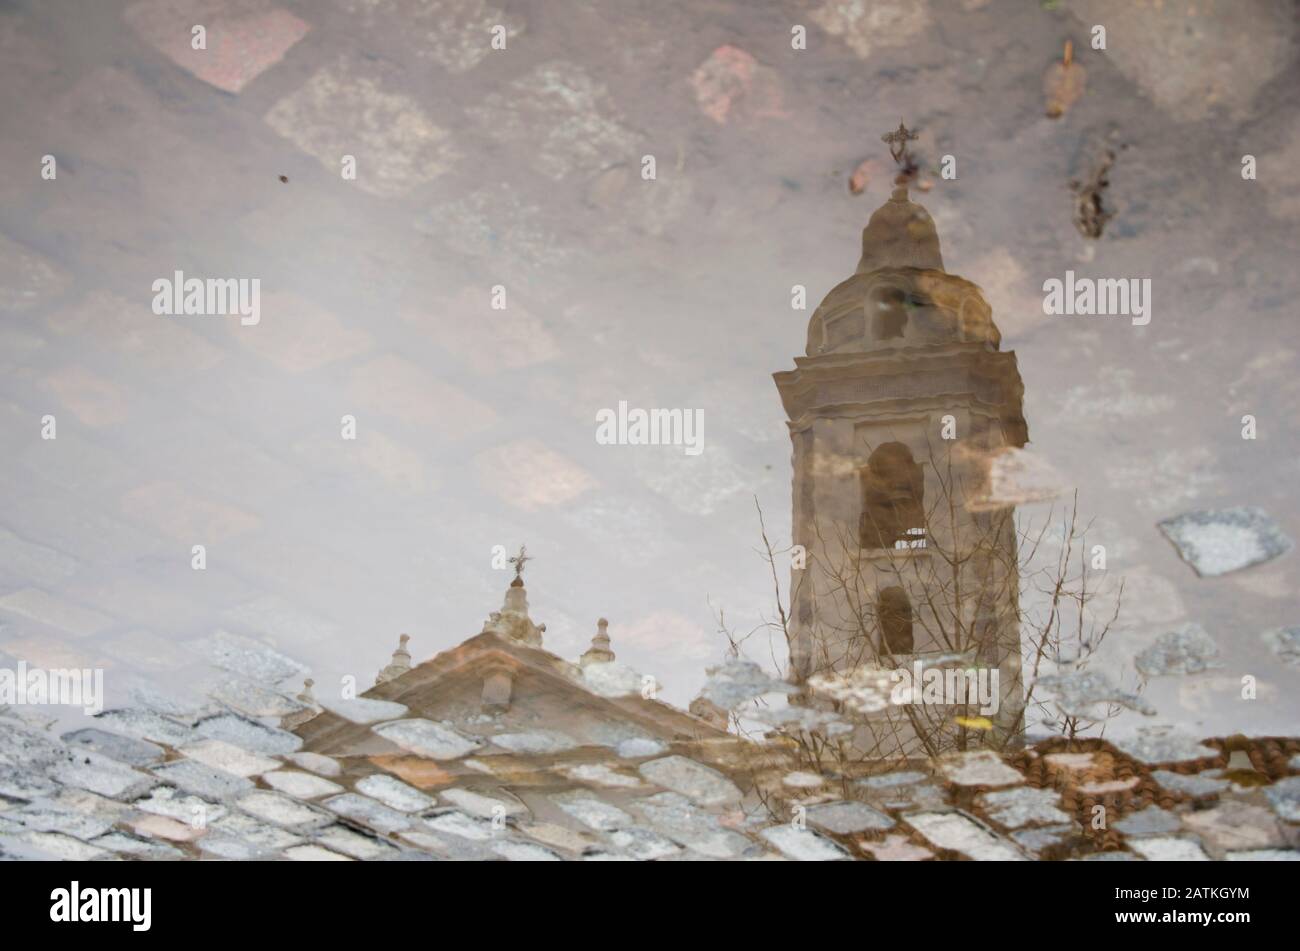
[[1023, 806], [958, 833], [394, 793], [200, 780], [145, 725], [643, 844], [1187, 649], [679, 819], [99, 774], [693, 780], [1169, 849], [426, 738], [846, 818], [1150, 821], [1284, 796], [136, 848], [1285, 643], [1218, 542], [1163, 745], [1195, 784], [592, 812], [248, 658], [1043, 837], [368, 812], [248, 734], [804, 845], [124, 749], [978, 768]]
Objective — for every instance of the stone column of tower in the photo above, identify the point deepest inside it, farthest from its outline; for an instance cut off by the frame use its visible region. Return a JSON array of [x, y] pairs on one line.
[[900, 355]]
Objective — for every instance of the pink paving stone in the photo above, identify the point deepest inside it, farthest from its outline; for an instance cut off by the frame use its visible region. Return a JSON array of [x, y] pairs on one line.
[[531, 476], [399, 465], [351, 107], [668, 632], [149, 650], [455, 33], [561, 116], [160, 827], [488, 340], [866, 27], [45, 608], [178, 513], [26, 277], [404, 390], [245, 38], [103, 319], [41, 650], [1112, 786], [1237, 825], [731, 81], [896, 848], [93, 399], [298, 335]]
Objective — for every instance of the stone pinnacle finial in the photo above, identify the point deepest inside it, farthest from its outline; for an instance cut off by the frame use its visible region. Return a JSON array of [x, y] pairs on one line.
[[310, 708], [513, 620], [599, 652], [400, 663]]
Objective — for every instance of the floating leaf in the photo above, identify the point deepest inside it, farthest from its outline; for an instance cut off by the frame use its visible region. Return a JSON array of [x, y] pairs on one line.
[[862, 176], [1063, 83]]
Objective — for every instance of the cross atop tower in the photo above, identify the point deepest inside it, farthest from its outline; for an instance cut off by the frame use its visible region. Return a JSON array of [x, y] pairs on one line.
[[519, 561], [897, 142]]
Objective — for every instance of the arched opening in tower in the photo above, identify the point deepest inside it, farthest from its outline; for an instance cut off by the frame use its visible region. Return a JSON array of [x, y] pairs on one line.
[[889, 312], [893, 500]]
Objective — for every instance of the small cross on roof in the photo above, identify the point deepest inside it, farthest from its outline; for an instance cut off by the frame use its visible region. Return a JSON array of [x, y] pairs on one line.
[[897, 141], [519, 561]]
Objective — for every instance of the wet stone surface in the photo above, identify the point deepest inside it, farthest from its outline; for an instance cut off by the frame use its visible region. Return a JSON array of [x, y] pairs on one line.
[[114, 746], [694, 780], [1186, 650], [845, 818], [1041, 838], [1164, 745], [959, 833], [804, 845], [1169, 849], [1197, 784], [1150, 821], [1285, 643], [1284, 796], [979, 768], [1014, 808], [1234, 825], [426, 738], [394, 793], [1218, 542]]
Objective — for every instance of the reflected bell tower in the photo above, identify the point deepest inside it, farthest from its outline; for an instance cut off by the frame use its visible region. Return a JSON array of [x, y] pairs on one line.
[[900, 399]]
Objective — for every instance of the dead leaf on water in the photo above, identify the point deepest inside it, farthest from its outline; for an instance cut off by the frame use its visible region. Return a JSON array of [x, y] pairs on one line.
[[1063, 83], [862, 176]]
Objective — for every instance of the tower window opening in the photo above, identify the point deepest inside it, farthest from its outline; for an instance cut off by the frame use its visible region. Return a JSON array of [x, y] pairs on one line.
[[889, 313], [894, 611], [893, 497]]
